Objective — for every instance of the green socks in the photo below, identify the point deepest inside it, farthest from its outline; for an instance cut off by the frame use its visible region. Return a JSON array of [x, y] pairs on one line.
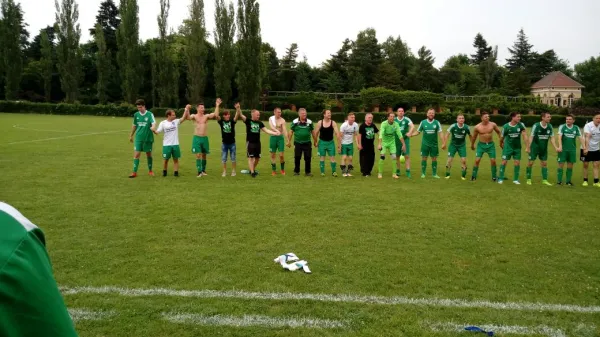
[[203, 165], [423, 166], [517, 169], [502, 168], [322, 166], [434, 167], [333, 165], [545, 173], [149, 163], [463, 172], [273, 167], [528, 172], [569, 174], [395, 167], [199, 165], [407, 173], [136, 164], [282, 164], [380, 166], [560, 175], [494, 169], [476, 169], [447, 171]]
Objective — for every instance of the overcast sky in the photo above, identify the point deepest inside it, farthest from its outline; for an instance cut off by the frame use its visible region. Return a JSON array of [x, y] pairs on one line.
[[446, 27]]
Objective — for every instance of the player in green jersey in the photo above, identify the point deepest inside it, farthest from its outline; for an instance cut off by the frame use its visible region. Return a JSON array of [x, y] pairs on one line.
[[143, 123], [407, 128], [537, 147], [388, 133], [30, 302], [459, 132], [568, 134], [510, 142], [431, 129]]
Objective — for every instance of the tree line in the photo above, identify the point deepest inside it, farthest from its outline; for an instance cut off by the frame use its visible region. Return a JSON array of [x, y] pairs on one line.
[[181, 66]]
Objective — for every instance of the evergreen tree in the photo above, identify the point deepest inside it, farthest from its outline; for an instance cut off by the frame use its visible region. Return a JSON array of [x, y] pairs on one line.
[[521, 53], [303, 80], [12, 54], [398, 54], [288, 67], [103, 65], [224, 52], [109, 20], [365, 58], [196, 51], [128, 54], [47, 64], [482, 50], [250, 63], [69, 55]]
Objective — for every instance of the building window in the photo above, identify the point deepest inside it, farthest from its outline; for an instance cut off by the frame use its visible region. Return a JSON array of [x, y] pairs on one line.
[[551, 102], [565, 103]]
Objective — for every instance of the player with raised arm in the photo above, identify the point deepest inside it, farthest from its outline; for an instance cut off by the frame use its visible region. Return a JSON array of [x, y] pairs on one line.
[[326, 130], [407, 128], [347, 135], [171, 139], [253, 128], [143, 123], [458, 132], [228, 140], [302, 130], [510, 142], [277, 143], [590, 152], [537, 147], [200, 144], [431, 129], [366, 145], [568, 134], [389, 132], [485, 131]]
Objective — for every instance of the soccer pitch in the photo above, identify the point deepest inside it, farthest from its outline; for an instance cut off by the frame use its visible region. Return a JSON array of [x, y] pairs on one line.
[[156, 256]]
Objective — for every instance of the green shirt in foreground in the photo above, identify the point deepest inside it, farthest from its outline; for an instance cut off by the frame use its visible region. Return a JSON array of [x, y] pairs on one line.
[[430, 132], [459, 134], [302, 131], [569, 137], [512, 135], [143, 124], [541, 134], [30, 302], [388, 133]]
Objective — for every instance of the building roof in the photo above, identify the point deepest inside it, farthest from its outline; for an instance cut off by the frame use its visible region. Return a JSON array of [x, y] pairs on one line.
[[556, 79]]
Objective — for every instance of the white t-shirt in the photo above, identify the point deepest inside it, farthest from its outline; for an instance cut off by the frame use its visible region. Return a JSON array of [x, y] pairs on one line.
[[348, 131], [594, 132], [171, 130]]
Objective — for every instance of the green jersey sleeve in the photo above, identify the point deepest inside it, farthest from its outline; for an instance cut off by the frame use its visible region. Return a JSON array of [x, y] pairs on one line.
[[420, 129]]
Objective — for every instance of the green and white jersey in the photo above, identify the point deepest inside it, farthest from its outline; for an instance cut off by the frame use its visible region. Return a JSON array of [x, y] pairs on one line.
[[430, 132], [404, 124], [302, 130], [30, 302], [389, 132], [171, 130], [143, 123], [459, 134], [541, 134], [568, 136], [512, 134]]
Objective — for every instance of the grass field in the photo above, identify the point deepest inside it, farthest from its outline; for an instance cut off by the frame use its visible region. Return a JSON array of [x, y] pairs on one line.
[[194, 257]]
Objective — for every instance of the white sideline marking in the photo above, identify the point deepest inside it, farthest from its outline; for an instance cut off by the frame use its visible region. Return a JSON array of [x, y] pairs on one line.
[[504, 329], [65, 137], [89, 315], [253, 320], [16, 126], [433, 302]]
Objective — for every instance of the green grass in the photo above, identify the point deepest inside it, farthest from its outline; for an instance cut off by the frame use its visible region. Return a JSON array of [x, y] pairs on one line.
[[362, 236]]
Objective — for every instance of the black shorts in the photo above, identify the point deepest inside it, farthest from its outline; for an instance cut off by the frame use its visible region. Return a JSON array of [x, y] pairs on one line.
[[253, 150], [590, 157]]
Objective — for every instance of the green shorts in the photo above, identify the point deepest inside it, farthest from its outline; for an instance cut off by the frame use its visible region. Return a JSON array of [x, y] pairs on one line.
[[326, 148], [489, 148], [567, 157], [171, 151], [453, 149], [508, 153], [399, 151], [538, 152], [200, 145], [429, 151], [276, 143], [347, 150], [389, 148], [141, 146]]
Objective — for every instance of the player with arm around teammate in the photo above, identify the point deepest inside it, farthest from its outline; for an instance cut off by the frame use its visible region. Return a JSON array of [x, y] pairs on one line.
[[510, 142], [143, 123], [200, 144], [389, 132], [348, 134], [228, 145], [485, 132], [431, 129], [277, 143], [537, 146], [568, 134], [406, 128], [458, 132], [327, 132], [590, 151], [171, 139], [253, 128]]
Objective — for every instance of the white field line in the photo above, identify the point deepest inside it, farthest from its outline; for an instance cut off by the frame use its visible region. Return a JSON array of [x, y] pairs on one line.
[[432, 302], [503, 329], [16, 126], [89, 315], [253, 320], [65, 137]]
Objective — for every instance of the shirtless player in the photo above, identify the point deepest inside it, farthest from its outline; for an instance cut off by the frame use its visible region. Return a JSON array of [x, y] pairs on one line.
[[200, 146], [277, 143], [486, 144]]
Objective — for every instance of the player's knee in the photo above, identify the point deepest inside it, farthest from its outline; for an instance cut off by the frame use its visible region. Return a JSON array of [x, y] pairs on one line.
[[393, 156], [382, 157]]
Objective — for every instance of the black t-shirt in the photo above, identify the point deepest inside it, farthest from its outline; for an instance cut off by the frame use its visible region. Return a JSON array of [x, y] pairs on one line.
[[368, 134], [227, 131], [253, 130]]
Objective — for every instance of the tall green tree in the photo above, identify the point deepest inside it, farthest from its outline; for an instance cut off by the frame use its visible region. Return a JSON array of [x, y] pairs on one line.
[[196, 51], [520, 53], [12, 54], [541, 65], [365, 58], [47, 64], [109, 20], [398, 54], [482, 50], [34, 50], [336, 69], [303, 80], [288, 67], [128, 55], [271, 79], [388, 76], [250, 64], [68, 53], [489, 70], [164, 77], [588, 74], [103, 65], [424, 76], [224, 51]]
